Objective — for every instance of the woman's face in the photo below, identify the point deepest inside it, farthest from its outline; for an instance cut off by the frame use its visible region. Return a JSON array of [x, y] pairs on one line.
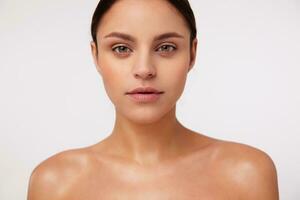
[[130, 48]]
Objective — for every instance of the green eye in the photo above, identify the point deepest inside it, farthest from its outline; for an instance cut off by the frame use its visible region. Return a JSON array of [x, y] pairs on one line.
[[121, 49], [167, 48]]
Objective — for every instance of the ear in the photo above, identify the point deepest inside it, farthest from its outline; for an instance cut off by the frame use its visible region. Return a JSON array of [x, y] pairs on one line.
[[94, 51], [193, 53]]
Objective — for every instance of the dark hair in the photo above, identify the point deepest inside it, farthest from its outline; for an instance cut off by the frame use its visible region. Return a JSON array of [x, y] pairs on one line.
[[183, 6]]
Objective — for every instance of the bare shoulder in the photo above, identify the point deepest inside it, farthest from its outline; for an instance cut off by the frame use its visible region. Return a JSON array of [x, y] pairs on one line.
[[52, 178], [248, 169]]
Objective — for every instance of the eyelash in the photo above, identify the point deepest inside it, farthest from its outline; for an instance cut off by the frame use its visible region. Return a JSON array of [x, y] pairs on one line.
[[123, 46]]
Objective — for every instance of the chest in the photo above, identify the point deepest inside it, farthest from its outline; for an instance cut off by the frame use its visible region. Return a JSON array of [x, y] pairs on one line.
[[181, 185]]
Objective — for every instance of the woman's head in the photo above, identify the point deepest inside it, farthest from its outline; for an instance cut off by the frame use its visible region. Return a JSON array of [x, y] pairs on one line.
[[142, 43]]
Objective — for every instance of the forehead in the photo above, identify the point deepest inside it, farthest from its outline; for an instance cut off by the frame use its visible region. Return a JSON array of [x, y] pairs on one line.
[[142, 18]]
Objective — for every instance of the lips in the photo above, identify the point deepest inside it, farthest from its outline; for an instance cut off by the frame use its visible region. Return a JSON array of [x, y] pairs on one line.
[[145, 90], [144, 95]]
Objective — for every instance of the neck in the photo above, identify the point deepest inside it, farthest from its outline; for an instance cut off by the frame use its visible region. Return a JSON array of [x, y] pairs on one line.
[[147, 143]]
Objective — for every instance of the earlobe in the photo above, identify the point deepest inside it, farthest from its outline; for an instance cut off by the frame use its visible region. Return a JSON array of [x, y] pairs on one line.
[[94, 52]]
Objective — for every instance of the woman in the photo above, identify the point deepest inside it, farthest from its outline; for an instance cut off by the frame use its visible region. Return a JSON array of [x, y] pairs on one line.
[[143, 51]]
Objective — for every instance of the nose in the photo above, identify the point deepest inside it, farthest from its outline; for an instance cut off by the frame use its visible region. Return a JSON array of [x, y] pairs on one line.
[[143, 67]]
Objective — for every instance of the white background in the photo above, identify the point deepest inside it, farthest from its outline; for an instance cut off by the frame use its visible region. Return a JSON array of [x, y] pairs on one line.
[[244, 87]]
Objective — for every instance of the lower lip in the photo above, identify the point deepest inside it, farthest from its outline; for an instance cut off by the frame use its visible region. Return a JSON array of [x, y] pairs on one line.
[[145, 98]]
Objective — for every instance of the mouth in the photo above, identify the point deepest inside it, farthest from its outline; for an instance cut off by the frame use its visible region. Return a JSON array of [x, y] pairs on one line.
[[145, 95], [145, 90]]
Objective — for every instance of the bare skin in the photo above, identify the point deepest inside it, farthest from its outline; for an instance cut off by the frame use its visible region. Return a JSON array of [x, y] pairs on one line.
[[209, 169], [150, 154]]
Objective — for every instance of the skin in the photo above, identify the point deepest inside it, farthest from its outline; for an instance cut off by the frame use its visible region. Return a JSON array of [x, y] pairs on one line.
[[150, 154]]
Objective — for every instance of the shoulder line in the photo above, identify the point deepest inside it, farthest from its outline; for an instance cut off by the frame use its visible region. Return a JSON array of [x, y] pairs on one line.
[[250, 170], [51, 178]]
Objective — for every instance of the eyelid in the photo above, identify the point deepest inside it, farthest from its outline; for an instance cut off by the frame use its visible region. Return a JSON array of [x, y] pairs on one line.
[[168, 43], [120, 45]]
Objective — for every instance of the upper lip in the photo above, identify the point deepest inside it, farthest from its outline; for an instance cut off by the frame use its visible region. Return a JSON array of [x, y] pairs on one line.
[[144, 90]]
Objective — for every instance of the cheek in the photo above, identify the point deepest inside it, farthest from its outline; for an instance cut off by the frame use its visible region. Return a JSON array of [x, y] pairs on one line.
[[113, 76], [177, 84], [174, 76]]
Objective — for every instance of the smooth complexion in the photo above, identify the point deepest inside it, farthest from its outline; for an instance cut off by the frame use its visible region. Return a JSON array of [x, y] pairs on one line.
[[128, 51], [150, 154]]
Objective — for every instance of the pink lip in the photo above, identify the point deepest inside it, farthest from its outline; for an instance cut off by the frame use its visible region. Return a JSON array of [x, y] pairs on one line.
[[144, 90], [145, 95], [144, 98]]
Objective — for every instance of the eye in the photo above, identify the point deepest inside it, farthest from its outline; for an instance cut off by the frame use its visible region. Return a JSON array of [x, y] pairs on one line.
[[121, 49], [167, 48]]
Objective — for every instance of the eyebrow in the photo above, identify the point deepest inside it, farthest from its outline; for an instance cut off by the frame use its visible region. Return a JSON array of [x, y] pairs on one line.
[[156, 38]]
